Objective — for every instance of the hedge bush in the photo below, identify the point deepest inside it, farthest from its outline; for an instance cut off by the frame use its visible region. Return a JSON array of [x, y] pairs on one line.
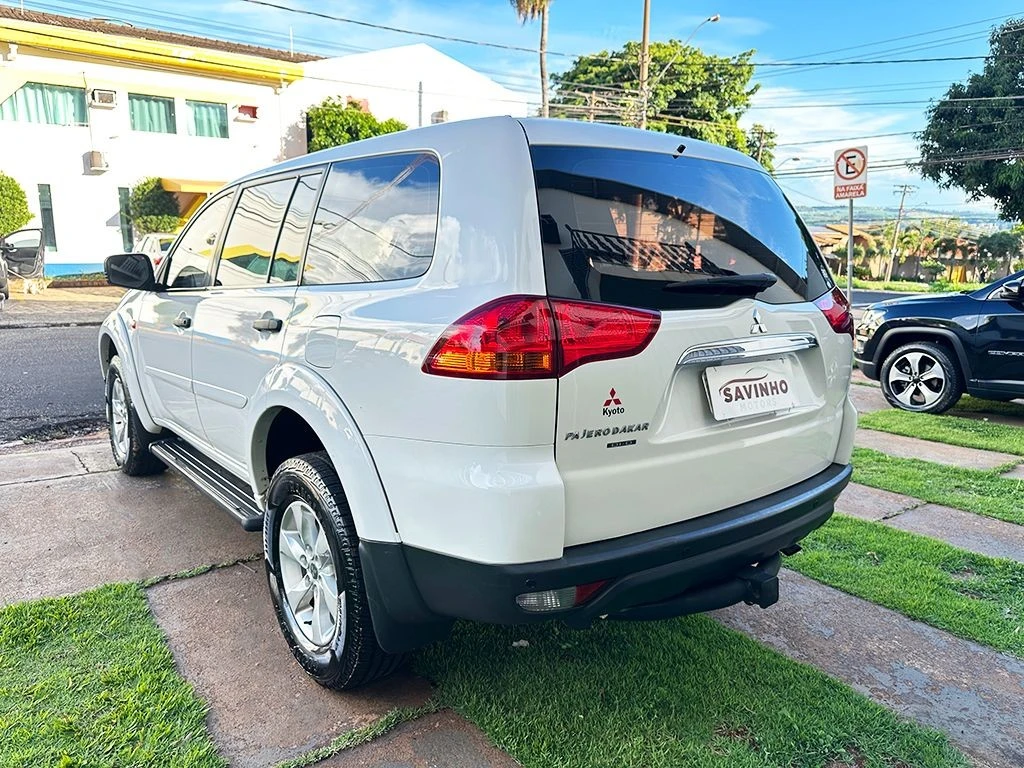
[[14, 212]]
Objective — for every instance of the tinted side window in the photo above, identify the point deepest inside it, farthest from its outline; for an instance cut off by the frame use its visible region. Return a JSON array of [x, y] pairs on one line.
[[377, 220], [288, 253], [252, 233], [192, 259]]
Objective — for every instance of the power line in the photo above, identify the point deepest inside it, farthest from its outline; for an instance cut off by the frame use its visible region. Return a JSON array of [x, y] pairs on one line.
[[524, 49]]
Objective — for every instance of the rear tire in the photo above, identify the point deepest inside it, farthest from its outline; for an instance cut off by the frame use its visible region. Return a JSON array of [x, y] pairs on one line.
[[129, 440], [315, 578], [921, 377]]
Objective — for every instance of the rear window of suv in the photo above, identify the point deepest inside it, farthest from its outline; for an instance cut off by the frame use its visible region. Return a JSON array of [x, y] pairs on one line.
[[633, 227]]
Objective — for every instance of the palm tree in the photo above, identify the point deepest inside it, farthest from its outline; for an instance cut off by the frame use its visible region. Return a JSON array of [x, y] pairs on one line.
[[528, 10]]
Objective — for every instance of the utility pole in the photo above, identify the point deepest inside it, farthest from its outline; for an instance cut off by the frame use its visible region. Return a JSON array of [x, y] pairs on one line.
[[760, 144], [902, 190], [592, 111], [645, 62]]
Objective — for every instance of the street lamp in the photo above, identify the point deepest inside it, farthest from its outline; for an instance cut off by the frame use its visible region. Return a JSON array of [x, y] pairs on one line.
[[788, 159], [645, 55]]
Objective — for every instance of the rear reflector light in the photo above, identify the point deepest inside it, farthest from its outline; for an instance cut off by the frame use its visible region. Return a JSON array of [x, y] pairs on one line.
[[836, 308], [533, 337], [558, 599]]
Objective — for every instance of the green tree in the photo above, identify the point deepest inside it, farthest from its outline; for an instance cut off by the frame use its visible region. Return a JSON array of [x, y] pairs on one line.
[[152, 208], [970, 130], [336, 121], [1001, 247], [528, 10], [14, 213], [698, 95]]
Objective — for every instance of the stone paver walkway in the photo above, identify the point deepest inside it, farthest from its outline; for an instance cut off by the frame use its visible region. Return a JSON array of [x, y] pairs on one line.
[[940, 453], [225, 639], [441, 739], [60, 306], [970, 692], [84, 525], [975, 533], [868, 399]]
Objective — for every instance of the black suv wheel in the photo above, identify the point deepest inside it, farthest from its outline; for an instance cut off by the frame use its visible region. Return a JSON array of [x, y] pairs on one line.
[[921, 376]]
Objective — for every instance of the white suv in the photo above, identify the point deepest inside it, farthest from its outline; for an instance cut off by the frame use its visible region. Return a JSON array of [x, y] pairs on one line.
[[501, 370]]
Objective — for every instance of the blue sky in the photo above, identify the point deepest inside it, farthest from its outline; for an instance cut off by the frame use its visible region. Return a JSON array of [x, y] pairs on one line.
[[779, 30]]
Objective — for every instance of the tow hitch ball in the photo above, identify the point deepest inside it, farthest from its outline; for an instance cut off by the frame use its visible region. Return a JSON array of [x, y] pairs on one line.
[[762, 581]]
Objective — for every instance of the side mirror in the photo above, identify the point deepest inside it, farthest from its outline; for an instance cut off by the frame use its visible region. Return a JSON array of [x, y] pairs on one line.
[[1011, 291], [130, 270]]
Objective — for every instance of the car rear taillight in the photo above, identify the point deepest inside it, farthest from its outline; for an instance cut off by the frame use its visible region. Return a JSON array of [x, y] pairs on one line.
[[836, 308], [533, 337]]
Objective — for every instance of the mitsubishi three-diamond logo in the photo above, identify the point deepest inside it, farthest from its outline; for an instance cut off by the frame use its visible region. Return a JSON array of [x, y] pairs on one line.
[[613, 400]]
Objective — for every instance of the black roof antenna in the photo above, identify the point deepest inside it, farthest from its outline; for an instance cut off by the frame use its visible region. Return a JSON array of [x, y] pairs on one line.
[[679, 150]]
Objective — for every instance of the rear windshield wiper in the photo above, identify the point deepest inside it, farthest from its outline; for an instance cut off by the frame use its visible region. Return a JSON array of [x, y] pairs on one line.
[[733, 285]]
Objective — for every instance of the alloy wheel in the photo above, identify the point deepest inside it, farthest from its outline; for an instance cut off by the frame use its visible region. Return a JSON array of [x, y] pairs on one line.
[[119, 419], [309, 576], [917, 380]]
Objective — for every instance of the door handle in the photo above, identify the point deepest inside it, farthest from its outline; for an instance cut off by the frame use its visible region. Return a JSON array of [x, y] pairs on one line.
[[271, 324], [183, 321]]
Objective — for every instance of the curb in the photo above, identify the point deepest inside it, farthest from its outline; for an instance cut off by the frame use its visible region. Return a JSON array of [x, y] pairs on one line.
[[45, 324]]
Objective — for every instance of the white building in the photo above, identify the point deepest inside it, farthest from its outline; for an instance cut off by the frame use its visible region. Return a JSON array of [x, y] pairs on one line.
[[88, 108]]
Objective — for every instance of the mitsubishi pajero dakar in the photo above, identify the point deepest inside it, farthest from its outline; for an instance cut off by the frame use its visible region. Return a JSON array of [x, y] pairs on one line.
[[501, 370]]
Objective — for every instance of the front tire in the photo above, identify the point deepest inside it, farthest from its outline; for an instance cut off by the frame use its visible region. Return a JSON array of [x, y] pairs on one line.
[[921, 377], [129, 440], [315, 578]]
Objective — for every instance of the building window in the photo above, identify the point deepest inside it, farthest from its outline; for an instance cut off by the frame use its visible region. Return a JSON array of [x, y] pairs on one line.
[[124, 218], [152, 114], [46, 214], [208, 119], [42, 103]]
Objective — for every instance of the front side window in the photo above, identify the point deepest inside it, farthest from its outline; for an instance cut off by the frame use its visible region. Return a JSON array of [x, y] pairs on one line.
[[151, 114], [252, 234], [288, 253], [207, 118], [43, 103], [656, 231], [376, 221], [192, 259]]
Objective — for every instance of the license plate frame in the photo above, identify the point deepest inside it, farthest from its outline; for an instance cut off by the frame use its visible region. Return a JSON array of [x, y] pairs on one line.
[[740, 390]]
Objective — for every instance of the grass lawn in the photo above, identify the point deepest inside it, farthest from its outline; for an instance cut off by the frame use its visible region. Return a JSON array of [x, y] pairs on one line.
[[89, 681], [983, 492], [686, 692], [968, 404], [973, 596], [954, 430]]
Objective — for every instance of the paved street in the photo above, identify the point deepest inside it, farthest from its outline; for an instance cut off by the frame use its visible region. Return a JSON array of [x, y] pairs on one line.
[[48, 376]]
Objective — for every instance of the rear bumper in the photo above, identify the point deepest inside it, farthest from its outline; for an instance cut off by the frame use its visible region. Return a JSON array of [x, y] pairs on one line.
[[689, 567]]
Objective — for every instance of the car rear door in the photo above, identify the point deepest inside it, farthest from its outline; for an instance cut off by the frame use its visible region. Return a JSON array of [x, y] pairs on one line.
[[24, 251], [740, 392], [242, 320], [999, 340]]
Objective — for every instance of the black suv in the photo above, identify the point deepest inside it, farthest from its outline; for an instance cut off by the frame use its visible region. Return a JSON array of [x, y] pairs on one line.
[[927, 350]]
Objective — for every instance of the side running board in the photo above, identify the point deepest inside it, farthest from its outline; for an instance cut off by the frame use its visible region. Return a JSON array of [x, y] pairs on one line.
[[212, 479]]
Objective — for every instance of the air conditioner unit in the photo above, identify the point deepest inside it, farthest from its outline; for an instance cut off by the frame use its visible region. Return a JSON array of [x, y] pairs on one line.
[[439, 117], [246, 113], [96, 160], [102, 97]]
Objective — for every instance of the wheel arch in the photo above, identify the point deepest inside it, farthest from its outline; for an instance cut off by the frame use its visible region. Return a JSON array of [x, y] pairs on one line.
[[113, 340], [297, 402], [897, 337]]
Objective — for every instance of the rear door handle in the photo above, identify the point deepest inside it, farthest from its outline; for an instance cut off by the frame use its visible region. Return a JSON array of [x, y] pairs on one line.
[[271, 324], [183, 321]]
